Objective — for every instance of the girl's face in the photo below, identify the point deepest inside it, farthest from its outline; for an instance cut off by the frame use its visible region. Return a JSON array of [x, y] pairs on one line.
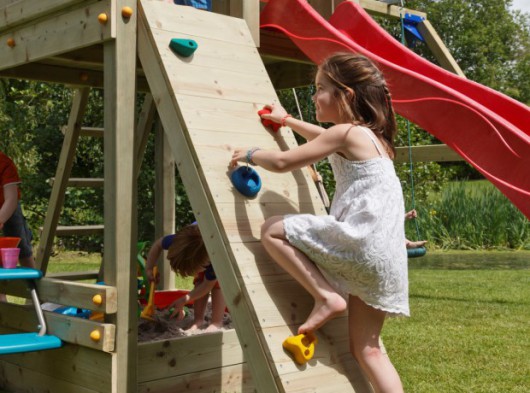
[[325, 100]]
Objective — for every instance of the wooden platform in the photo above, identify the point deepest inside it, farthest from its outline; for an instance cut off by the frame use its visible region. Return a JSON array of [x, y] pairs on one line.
[[208, 104]]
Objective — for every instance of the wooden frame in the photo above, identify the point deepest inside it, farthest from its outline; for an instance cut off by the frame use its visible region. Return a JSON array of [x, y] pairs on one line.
[[64, 41]]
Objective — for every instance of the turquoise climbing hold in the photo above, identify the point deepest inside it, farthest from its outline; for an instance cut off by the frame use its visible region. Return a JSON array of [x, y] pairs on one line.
[[183, 46], [246, 180]]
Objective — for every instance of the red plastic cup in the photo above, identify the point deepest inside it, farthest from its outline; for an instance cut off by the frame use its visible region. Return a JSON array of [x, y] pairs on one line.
[[10, 257]]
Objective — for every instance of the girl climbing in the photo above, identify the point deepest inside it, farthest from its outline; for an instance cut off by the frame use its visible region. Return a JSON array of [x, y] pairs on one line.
[[355, 258]]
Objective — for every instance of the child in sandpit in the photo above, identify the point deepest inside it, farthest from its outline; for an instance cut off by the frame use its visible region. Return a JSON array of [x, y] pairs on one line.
[[187, 256]]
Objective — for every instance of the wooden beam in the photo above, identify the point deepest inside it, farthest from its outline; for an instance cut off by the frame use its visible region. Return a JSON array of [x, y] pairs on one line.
[[69, 329], [16, 13], [164, 199], [438, 48], [72, 30], [429, 153], [120, 192], [378, 8]]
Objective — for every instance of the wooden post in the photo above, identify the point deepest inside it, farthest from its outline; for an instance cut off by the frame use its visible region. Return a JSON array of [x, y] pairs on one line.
[[120, 191], [164, 199]]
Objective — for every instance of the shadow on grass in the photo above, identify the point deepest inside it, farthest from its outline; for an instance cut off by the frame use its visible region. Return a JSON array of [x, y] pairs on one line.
[[472, 260]]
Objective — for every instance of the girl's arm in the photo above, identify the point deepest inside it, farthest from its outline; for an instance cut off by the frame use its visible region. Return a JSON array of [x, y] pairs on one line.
[[279, 115], [315, 150], [10, 203], [204, 288]]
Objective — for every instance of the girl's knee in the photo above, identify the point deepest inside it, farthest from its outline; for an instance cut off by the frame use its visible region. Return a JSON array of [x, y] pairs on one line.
[[271, 227], [366, 354]]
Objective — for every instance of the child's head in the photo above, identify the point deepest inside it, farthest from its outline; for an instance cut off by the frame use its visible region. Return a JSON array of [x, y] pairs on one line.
[[362, 93], [187, 254]]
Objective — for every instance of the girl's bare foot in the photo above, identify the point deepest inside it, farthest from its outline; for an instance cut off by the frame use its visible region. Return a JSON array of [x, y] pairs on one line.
[[196, 326], [322, 312], [213, 328]]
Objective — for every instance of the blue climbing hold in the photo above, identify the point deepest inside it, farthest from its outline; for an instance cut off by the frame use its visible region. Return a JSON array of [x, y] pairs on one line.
[[246, 180], [183, 46]]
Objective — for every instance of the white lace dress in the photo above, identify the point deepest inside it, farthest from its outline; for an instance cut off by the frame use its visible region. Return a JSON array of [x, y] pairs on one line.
[[360, 246]]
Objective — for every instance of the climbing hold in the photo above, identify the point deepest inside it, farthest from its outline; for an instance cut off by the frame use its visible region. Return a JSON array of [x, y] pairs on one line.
[[126, 12], [11, 42], [103, 18], [95, 335], [183, 46], [83, 76], [416, 252], [246, 180], [301, 347], [268, 122], [97, 299]]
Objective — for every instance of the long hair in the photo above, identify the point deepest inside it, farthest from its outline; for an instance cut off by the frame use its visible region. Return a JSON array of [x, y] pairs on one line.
[[362, 93], [187, 253]]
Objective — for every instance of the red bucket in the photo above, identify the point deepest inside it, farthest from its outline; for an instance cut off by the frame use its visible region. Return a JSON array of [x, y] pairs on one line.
[[162, 299]]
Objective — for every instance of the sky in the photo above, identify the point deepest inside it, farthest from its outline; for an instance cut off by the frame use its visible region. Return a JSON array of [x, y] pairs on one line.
[[523, 5]]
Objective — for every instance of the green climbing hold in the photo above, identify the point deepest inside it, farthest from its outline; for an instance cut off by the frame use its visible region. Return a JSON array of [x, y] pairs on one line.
[[183, 46]]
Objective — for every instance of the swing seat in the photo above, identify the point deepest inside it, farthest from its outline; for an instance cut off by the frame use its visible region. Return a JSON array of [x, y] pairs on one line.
[[27, 342], [416, 252]]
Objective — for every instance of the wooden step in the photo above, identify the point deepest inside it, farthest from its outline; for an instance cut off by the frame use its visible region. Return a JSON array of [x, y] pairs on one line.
[[79, 230], [81, 182], [96, 132]]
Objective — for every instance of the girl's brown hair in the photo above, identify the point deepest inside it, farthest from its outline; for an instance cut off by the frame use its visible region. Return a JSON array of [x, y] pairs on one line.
[[363, 94], [187, 252]]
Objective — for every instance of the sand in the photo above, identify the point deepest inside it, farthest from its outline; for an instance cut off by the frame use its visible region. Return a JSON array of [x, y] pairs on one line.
[[164, 328]]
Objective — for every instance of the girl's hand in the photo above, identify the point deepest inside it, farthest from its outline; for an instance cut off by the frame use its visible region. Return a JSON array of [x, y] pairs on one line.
[[277, 113], [239, 155], [151, 277], [178, 309]]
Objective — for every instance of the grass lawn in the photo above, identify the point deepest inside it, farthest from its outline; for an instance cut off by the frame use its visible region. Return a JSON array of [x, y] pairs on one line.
[[469, 325]]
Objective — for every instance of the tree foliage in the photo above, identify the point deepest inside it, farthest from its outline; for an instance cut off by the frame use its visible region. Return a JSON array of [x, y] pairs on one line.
[[489, 42]]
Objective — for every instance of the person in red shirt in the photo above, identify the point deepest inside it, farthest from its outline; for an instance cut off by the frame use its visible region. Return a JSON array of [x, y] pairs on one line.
[[12, 220]]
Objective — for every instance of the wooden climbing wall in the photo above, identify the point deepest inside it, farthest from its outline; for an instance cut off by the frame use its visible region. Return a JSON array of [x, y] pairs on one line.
[[208, 104]]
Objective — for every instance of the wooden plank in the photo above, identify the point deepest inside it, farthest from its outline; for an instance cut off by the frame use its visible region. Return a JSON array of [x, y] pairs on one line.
[[13, 13], [164, 200], [68, 329], [278, 46], [95, 132], [78, 294], [235, 378], [79, 230], [71, 368], [186, 355], [427, 153], [143, 128], [80, 182], [74, 276], [438, 48], [56, 35], [20, 379], [119, 261], [193, 181], [64, 168], [379, 8]]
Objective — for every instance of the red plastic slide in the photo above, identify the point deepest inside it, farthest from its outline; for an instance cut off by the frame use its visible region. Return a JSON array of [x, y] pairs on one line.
[[492, 144]]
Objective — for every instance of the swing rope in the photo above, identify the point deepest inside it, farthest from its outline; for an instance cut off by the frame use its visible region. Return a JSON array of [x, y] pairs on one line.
[[409, 133], [317, 178]]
